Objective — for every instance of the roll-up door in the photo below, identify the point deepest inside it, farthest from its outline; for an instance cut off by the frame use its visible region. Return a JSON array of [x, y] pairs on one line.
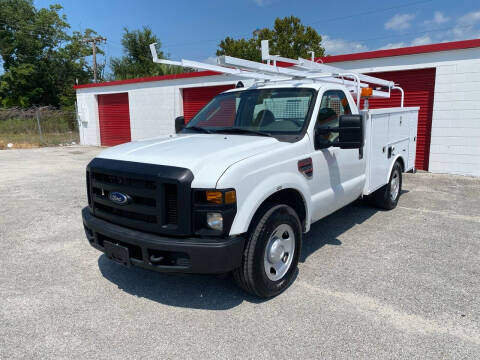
[[114, 118], [194, 99]]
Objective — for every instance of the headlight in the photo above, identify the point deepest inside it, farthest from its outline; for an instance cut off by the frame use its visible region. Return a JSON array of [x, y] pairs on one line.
[[215, 221]]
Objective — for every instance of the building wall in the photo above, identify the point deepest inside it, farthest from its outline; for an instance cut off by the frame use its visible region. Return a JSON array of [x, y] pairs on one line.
[[153, 105], [455, 140]]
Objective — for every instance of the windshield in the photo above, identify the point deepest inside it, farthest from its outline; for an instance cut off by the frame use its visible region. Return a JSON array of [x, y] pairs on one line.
[[256, 112]]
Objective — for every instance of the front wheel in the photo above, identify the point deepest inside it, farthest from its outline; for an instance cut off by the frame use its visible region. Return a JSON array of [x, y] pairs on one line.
[[387, 196], [271, 254]]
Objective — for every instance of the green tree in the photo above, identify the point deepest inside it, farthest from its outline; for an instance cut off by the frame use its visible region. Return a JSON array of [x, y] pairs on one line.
[[137, 61], [288, 38], [41, 61]]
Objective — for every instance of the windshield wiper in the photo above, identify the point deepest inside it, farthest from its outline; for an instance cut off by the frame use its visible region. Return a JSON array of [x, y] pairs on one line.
[[237, 130], [199, 129]]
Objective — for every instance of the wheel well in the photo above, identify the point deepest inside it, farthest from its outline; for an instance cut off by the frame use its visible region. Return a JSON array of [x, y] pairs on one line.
[[402, 163], [290, 197]]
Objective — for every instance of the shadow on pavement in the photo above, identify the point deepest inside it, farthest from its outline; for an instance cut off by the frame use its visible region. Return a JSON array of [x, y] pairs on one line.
[[181, 290], [213, 292], [326, 231]]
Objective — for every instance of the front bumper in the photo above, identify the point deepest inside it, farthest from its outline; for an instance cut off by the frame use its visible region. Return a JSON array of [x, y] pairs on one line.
[[189, 255]]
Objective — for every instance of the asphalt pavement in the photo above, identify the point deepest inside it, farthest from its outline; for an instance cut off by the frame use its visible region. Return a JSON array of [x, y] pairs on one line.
[[372, 284]]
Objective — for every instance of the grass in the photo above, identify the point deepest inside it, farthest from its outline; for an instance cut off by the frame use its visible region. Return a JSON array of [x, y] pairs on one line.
[[58, 128], [26, 141]]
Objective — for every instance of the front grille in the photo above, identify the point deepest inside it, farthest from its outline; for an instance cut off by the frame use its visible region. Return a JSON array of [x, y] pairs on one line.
[[158, 195], [171, 203]]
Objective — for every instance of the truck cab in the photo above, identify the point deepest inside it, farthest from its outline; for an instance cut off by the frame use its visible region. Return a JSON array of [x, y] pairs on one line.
[[235, 189]]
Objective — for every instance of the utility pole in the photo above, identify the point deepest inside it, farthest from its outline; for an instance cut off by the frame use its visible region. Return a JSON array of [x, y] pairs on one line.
[[94, 41]]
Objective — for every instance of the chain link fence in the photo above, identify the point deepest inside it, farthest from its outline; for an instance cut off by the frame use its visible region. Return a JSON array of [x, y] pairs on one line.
[[37, 126]]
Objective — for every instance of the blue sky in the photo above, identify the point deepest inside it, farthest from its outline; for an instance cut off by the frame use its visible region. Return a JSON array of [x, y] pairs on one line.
[[192, 29]]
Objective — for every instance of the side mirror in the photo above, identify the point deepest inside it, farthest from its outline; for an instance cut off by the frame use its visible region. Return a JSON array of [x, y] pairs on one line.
[[179, 124], [350, 132]]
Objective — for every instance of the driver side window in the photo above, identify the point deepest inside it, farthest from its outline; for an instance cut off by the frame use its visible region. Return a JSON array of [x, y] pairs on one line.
[[333, 104]]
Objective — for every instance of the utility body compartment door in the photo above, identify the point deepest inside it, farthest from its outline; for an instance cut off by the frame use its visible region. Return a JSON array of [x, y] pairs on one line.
[[390, 133], [377, 156]]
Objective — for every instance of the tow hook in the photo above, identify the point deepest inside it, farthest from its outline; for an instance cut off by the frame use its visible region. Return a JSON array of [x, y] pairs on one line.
[[156, 259]]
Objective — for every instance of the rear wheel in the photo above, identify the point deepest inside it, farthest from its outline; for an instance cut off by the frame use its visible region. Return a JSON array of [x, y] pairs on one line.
[[387, 196], [271, 254]]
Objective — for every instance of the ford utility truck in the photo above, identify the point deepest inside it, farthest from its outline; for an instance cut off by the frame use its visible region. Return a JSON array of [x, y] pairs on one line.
[[236, 188]]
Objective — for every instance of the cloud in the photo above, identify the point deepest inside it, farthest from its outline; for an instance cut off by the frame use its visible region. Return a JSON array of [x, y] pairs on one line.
[[393, 45], [341, 46], [399, 22], [467, 27], [262, 3], [422, 40], [438, 19], [464, 27], [470, 18], [210, 60]]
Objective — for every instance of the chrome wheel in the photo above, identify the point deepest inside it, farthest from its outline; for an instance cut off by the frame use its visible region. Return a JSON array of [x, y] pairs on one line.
[[279, 252], [395, 185]]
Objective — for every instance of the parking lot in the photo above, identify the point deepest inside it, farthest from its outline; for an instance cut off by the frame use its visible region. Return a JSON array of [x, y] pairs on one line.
[[372, 284]]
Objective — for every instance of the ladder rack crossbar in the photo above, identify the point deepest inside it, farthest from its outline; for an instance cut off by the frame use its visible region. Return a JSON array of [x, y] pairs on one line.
[[302, 69]]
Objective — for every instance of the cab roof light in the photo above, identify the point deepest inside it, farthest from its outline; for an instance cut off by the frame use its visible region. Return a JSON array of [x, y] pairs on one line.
[[367, 92]]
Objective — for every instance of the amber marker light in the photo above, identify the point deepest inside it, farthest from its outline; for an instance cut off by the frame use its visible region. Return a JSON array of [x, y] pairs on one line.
[[367, 92], [230, 197], [215, 197]]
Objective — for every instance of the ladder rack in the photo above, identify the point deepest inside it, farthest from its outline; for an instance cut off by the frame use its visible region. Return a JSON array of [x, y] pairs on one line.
[[301, 69]]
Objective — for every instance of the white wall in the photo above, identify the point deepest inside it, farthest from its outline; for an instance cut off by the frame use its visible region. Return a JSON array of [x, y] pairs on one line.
[[88, 119], [455, 137], [153, 105]]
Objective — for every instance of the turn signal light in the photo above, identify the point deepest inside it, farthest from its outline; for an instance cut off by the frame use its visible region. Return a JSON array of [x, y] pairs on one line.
[[215, 197], [230, 197]]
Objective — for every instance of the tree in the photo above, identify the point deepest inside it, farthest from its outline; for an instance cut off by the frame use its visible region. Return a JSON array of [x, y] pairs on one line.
[[288, 38], [137, 61], [41, 61]]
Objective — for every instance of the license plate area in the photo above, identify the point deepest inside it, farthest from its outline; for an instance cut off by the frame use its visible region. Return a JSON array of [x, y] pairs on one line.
[[117, 253]]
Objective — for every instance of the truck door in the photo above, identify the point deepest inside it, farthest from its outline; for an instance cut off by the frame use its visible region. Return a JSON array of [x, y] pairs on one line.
[[339, 174]]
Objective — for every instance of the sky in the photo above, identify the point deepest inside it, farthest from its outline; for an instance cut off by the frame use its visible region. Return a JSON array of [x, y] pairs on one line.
[[193, 29]]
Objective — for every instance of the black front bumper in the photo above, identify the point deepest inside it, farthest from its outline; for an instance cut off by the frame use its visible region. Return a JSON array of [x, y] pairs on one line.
[[190, 255]]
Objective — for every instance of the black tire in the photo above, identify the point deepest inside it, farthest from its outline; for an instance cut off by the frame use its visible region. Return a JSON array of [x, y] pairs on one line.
[[383, 197], [251, 275]]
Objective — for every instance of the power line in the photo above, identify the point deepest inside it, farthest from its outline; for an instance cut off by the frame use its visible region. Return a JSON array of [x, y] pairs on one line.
[[415, 33], [368, 12]]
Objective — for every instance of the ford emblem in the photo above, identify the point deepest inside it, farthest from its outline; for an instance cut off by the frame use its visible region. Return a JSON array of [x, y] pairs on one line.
[[119, 198]]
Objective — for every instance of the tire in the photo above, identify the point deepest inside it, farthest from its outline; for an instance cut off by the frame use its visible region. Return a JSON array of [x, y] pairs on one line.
[[275, 234], [387, 196]]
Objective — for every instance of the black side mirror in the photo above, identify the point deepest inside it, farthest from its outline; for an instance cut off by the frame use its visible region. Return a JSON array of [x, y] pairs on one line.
[[179, 124], [350, 132]]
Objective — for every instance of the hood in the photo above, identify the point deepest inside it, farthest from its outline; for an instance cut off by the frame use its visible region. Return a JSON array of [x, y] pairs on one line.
[[206, 155]]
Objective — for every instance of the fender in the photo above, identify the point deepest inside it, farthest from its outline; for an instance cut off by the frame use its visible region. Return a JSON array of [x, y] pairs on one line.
[[391, 166], [252, 200]]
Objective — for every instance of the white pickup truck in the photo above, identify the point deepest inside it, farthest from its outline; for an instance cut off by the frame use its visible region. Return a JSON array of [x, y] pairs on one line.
[[237, 187]]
